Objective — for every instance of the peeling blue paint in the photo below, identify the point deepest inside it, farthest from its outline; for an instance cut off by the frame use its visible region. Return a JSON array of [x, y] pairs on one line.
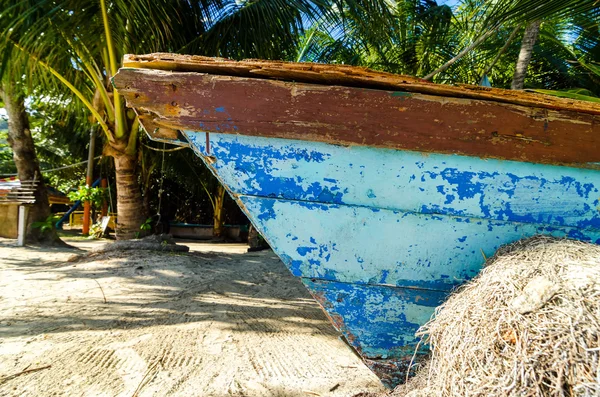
[[377, 321], [407, 181], [415, 249], [304, 250]]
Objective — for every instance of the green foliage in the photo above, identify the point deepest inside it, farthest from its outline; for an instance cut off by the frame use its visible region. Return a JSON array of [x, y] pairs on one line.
[[418, 36], [46, 225], [145, 228], [95, 195], [401, 37], [7, 165], [500, 11], [571, 94], [60, 134], [404, 36], [95, 231], [147, 225]]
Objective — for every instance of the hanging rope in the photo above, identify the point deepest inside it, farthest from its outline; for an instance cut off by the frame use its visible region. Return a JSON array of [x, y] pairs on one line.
[[64, 167], [164, 150]]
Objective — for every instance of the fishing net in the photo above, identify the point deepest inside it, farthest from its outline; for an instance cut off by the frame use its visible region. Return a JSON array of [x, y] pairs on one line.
[[527, 325]]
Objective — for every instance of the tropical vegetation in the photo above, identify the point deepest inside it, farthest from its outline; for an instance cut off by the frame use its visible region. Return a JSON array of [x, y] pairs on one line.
[[58, 57]]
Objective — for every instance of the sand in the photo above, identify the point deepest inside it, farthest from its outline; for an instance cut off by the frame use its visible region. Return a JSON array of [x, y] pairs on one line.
[[200, 324]]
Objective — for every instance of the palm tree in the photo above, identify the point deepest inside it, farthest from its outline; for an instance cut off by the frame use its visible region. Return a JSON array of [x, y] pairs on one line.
[[473, 40], [79, 44], [402, 37], [500, 14], [527, 43], [26, 162], [12, 95]]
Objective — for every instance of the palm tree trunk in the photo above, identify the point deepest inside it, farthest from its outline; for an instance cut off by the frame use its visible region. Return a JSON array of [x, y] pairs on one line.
[[500, 53], [26, 161], [461, 54], [218, 211], [529, 39], [129, 198]]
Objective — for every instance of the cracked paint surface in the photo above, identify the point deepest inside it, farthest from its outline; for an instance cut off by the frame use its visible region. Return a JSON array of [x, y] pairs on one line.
[[408, 181], [353, 244], [378, 322], [381, 236], [368, 309]]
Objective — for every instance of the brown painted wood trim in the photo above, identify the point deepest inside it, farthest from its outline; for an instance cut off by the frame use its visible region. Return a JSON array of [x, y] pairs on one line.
[[159, 133], [348, 76], [358, 116]]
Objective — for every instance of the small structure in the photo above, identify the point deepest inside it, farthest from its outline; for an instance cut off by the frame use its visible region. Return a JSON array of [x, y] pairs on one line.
[[15, 198]]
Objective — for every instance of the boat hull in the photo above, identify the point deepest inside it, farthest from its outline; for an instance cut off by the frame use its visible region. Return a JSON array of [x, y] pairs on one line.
[[380, 236], [381, 192]]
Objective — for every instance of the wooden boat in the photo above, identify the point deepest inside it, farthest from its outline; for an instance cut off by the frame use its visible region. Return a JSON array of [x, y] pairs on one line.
[[381, 192]]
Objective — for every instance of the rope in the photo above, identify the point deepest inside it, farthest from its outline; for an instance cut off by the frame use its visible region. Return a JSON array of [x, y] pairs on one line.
[[60, 168], [164, 150]]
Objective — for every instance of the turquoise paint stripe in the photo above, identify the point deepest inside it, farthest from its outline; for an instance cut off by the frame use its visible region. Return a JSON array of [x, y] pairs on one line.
[[364, 245], [407, 181]]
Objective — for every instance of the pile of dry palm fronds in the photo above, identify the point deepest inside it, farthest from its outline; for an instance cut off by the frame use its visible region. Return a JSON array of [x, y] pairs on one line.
[[527, 325]]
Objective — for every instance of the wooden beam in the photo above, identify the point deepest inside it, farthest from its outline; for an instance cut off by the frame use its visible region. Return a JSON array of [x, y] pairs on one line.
[[348, 76], [358, 116]]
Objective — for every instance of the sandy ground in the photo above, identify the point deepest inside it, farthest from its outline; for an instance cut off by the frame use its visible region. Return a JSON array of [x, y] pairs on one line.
[[207, 323]]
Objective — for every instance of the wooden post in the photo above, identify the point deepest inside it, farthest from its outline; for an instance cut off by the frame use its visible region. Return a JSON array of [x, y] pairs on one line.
[[22, 225], [88, 181], [104, 185]]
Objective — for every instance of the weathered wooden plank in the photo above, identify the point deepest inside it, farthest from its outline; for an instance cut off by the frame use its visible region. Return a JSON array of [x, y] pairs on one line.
[[20, 198], [355, 116], [348, 76], [403, 180], [20, 193], [159, 133]]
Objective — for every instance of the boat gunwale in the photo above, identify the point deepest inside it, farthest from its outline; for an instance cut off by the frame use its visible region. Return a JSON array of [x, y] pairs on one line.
[[177, 101], [349, 76]]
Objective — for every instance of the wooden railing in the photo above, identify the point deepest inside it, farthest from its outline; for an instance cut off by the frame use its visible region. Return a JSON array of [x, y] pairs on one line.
[[23, 194]]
